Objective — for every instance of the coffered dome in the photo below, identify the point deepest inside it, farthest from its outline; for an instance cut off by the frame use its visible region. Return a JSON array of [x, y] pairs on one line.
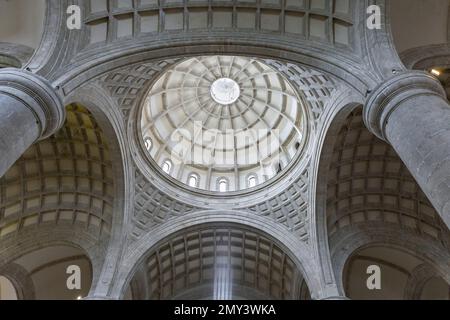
[[222, 123]]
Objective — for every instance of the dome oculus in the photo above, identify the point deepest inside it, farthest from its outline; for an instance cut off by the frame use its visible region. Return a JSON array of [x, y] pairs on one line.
[[225, 91]]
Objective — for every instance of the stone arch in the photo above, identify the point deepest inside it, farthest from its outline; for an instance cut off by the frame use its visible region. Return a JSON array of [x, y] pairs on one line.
[[296, 249], [362, 180], [66, 183], [47, 24], [20, 280], [434, 256], [39, 270], [368, 186], [22, 28], [430, 57], [104, 110], [72, 79], [13, 55], [322, 49], [218, 261], [333, 121], [422, 58], [420, 277], [38, 238], [108, 118]]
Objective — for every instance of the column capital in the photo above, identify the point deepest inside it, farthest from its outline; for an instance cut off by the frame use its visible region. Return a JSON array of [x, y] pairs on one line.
[[37, 94], [389, 94]]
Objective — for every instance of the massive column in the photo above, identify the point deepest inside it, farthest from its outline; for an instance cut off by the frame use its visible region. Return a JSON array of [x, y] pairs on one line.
[[411, 112], [30, 109]]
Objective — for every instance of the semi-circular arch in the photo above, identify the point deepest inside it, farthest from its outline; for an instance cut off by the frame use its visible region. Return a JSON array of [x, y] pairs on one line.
[[296, 249]]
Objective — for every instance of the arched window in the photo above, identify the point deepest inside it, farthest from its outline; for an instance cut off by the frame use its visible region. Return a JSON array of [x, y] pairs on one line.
[[223, 185], [297, 145], [193, 180], [252, 181], [148, 143], [167, 166]]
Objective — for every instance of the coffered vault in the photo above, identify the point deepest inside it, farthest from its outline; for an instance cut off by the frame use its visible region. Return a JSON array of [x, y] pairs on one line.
[[207, 259], [100, 184]]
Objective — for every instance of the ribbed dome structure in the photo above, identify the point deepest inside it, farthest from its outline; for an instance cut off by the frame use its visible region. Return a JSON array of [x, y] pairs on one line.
[[222, 123]]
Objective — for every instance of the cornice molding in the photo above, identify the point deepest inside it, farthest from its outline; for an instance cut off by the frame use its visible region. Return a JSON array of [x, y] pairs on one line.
[[388, 96], [38, 95], [421, 58]]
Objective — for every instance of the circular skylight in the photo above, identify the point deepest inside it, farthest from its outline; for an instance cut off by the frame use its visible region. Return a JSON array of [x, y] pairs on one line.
[[222, 123], [225, 91]]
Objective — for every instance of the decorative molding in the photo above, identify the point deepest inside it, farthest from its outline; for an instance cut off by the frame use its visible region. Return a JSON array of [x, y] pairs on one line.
[[322, 21], [388, 95], [423, 58], [153, 207], [19, 54], [315, 87], [202, 249], [128, 85], [38, 95], [289, 207], [345, 242], [417, 281], [21, 280], [137, 251]]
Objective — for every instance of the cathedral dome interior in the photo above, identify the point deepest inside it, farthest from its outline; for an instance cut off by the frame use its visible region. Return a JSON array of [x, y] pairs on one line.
[[222, 123], [224, 150]]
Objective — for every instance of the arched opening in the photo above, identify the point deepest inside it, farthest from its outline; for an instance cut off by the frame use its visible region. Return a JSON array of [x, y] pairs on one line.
[[148, 143], [64, 188], [225, 261], [7, 61], [57, 272], [399, 275], [222, 184], [370, 194], [63, 181], [7, 289], [252, 181], [193, 180], [167, 166]]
